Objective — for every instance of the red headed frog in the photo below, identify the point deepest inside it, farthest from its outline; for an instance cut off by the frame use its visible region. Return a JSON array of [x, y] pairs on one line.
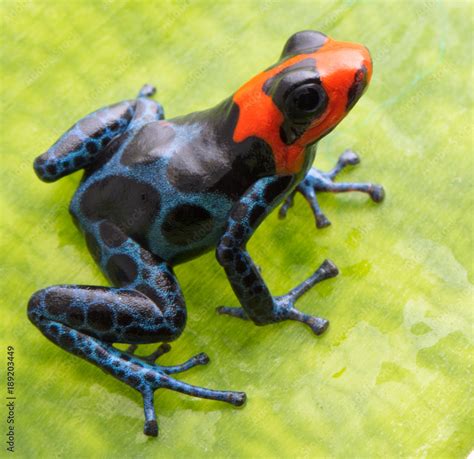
[[156, 193]]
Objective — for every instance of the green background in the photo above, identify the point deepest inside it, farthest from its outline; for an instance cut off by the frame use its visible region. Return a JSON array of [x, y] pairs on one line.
[[391, 376]]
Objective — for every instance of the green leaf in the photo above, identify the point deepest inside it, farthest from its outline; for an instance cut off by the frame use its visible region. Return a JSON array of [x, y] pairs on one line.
[[393, 374]]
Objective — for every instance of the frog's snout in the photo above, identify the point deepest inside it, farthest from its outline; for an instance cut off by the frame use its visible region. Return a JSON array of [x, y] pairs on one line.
[[345, 67]]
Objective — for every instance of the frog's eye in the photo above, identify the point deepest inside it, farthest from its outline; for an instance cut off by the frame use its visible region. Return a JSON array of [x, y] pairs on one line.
[[306, 101]]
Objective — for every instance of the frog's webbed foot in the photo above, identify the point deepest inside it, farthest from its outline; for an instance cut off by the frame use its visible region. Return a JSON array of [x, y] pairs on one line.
[[284, 305], [151, 425], [151, 358], [318, 181], [159, 377]]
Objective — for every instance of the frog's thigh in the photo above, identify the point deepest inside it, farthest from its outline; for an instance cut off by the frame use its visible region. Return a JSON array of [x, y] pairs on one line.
[[147, 305], [85, 141]]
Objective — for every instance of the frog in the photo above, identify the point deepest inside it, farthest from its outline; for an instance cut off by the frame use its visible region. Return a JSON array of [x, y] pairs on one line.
[[159, 192]]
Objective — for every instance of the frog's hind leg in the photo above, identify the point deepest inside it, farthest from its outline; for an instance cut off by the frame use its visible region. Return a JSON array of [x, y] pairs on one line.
[[84, 142], [146, 306], [318, 181]]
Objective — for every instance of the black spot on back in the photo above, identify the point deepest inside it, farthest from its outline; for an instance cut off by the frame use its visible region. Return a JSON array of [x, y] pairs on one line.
[[193, 168], [121, 269], [187, 224], [127, 203]]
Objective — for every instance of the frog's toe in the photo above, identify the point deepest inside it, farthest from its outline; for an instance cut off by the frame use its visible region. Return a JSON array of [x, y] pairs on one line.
[[377, 194], [349, 157], [151, 424], [199, 359], [231, 311], [131, 349], [284, 308], [147, 90], [284, 305], [228, 396], [151, 428], [153, 377], [317, 324], [161, 349], [321, 220], [151, 358], [289, 201]]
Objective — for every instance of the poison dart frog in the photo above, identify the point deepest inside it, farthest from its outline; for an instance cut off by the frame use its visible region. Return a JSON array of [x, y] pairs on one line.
[[156, 193]]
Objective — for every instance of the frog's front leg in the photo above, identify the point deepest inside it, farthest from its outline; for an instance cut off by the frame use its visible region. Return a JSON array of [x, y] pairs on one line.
[[257, 302], [146, 306], [318, 181]]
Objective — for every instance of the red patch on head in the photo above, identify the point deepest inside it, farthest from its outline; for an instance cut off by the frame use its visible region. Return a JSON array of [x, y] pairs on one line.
[[337, 64]]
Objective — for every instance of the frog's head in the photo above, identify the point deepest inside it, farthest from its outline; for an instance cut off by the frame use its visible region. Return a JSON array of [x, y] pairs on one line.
[[304, 96]]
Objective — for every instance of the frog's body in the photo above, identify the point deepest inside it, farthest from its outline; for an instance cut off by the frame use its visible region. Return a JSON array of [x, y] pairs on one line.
[[156, 193], [177, 181]]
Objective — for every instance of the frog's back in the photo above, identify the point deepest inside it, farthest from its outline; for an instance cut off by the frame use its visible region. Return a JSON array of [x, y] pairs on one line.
[[170, 185]]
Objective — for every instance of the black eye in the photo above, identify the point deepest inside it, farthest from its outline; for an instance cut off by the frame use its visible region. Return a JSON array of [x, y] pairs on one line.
[[306, 99]]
